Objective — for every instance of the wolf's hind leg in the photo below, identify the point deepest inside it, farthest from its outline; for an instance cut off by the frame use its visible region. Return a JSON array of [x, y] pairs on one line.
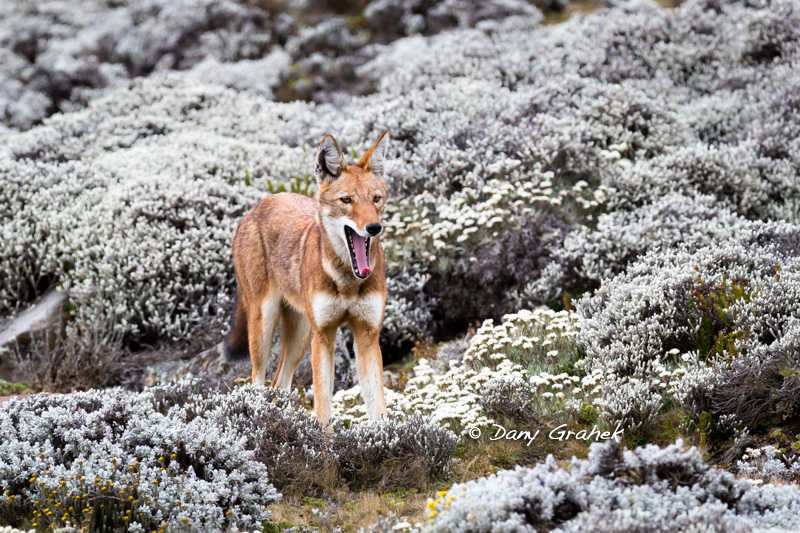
[[261, 329], [295, 336]]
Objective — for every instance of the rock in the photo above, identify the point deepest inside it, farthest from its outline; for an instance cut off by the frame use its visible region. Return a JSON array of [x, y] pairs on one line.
[[211, 361], [160, 373], [45, 314]]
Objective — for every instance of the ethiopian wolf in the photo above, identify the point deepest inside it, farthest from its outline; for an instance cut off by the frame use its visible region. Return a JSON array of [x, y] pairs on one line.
[[316, 265]]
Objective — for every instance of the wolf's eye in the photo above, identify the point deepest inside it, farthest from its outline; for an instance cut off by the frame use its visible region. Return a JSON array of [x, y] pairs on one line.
[[376, 198], [345, 199]]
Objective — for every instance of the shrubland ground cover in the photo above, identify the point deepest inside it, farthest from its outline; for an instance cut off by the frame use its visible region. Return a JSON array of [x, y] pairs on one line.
[[614, 201]]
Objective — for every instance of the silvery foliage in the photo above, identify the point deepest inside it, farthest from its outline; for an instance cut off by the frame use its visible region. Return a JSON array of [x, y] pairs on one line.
[[423, 449], [768, 464], [644, 318], [511, 398], [620, 237], [54, 442], [58, 55], [647, 489], [504, 127], [209, 451], [408, 311]]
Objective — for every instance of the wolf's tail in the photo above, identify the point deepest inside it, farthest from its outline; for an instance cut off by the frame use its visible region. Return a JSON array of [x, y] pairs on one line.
[[236, 346]]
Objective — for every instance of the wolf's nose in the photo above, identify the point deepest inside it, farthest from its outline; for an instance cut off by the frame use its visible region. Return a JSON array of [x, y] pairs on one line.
[[374, 229]]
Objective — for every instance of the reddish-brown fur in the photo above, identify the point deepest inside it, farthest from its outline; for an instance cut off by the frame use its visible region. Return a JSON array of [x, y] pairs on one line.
[[290, 266]]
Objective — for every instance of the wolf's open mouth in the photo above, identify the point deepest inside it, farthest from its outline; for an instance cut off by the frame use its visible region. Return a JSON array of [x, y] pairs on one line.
[[359, 252]]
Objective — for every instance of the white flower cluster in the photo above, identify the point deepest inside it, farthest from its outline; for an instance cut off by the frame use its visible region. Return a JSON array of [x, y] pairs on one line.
[[538, 340], [767, 464], [451, 399], [522, 357], [647, 489]]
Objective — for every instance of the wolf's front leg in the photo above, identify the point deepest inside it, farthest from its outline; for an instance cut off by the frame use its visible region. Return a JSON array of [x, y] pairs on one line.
[[369, 364], [322, 369]]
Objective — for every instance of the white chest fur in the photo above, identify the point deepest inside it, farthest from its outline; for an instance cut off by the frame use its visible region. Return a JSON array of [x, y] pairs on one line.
[[330, 308]]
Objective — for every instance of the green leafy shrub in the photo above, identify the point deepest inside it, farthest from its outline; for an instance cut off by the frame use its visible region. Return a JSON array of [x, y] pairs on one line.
[[713, 315]]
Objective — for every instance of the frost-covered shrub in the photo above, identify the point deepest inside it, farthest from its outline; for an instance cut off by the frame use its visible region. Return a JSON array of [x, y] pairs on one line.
[[397, 452], [291, 444], [510, 399], [732, 302], [632, 402], [186, 454], [513, 257], [589, 256], [643, 313], [107, 457], [408, 308], [647, 489]]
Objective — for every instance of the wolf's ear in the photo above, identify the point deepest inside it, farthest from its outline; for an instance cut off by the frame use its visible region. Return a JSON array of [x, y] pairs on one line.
[[330, 161], [375, 158]]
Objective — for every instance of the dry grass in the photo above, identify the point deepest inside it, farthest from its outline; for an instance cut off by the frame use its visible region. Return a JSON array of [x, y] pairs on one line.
[[69, 359], [347, 510], [350, 510]]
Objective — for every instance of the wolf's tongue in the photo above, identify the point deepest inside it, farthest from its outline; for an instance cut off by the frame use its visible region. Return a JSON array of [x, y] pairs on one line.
[[360, 248]]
